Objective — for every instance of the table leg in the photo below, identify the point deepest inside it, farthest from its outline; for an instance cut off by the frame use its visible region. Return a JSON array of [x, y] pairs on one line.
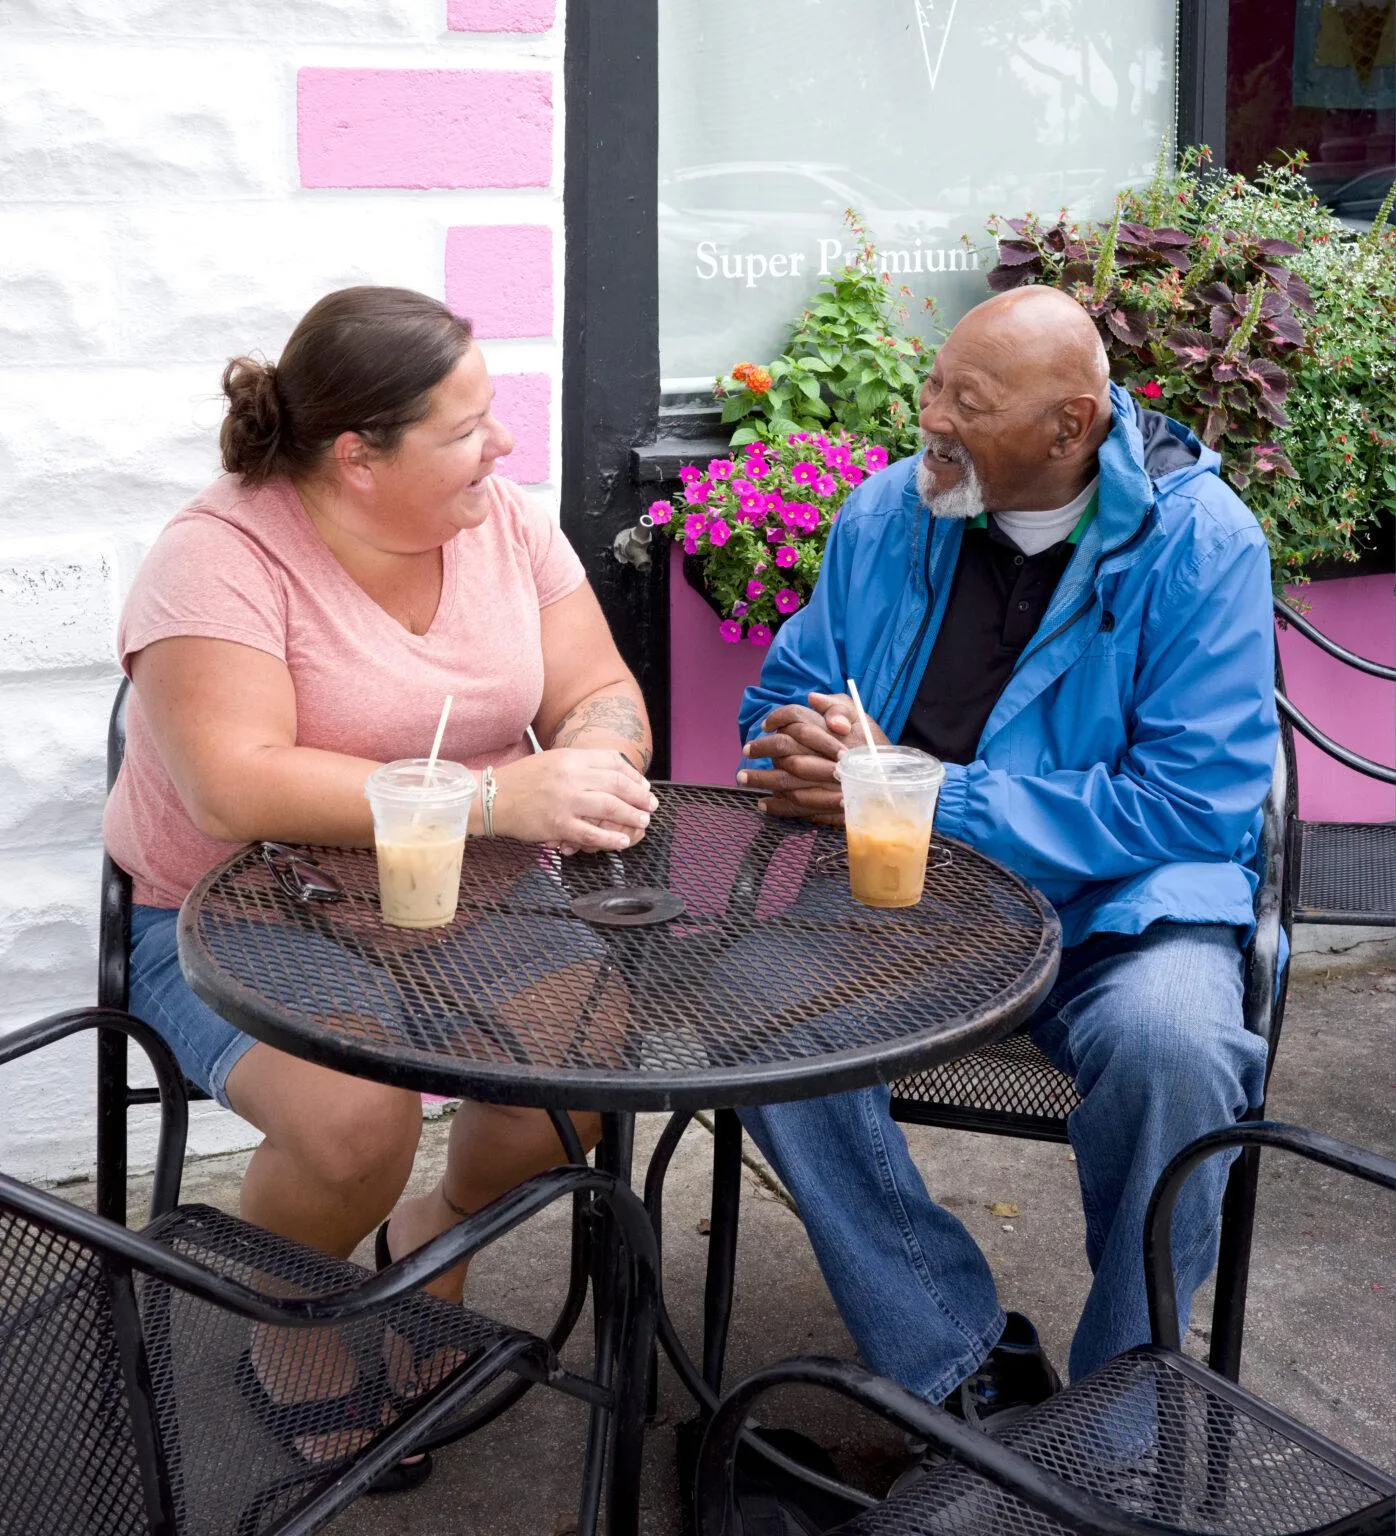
[[620, 1426], [722, 1243]]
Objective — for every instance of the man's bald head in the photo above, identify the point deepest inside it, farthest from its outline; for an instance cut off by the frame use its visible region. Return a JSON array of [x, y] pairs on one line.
[[1017, 404], [1040, 340]]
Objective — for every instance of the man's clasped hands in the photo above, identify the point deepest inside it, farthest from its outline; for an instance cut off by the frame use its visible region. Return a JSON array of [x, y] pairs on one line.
[[803, 743]]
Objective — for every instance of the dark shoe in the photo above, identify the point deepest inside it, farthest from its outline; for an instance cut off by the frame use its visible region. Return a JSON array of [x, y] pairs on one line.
[[359, 1409], [1015, 1376]]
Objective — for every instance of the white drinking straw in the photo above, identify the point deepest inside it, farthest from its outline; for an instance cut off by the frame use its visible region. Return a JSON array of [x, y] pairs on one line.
[[428, 776], [867, 729], [533, 740], [440, 732]]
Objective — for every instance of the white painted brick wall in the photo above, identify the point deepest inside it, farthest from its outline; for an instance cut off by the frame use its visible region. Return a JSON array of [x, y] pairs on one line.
[[152, 226]]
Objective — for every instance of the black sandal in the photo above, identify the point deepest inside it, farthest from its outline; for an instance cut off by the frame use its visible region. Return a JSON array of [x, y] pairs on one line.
[[360, 1408], [424, 1339]]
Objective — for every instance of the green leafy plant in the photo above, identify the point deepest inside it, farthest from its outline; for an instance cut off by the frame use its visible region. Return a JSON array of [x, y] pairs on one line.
[[1245, 309], [849, 365]]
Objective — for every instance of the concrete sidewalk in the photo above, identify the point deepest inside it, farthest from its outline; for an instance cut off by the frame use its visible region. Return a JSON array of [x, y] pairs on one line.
[[1321, 1324]]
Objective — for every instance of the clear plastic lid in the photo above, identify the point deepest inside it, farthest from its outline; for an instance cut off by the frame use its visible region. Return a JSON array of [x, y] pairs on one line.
[[902, 767], [407, 782]]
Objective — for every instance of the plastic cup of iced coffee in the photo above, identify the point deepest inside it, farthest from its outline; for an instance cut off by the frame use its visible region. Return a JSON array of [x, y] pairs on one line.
[[889, 803], [419, 816]]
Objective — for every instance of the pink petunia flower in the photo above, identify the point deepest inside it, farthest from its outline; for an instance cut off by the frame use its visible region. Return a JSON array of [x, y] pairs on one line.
[[759, 567], [719, 531], [774, 535], [875, 458], [755, 588], [787, 599], [661, 512], [838, 456], [739, 610], [730, 631], [786, 556], [697, 492], [759, 634], [852, 475], [689, 475], [695, 525], [720, 469], [690, 546], [742, 487], [753, 508], [756, 466], [826, 485], [804, 474]]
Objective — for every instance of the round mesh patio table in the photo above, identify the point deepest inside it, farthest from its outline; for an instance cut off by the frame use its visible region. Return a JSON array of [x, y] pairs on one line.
[[719, 962]]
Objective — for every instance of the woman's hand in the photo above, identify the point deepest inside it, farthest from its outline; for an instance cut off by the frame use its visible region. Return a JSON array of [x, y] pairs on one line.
[[575, 798]]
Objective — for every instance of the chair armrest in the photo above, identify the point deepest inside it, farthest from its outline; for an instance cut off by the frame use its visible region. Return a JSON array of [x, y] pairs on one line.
[[1158, 1219], [138, 1250], [1081, 1512], [174, 1103]]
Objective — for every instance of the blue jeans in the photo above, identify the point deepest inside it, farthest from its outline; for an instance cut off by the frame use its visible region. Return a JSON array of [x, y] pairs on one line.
[[1150, 1028]]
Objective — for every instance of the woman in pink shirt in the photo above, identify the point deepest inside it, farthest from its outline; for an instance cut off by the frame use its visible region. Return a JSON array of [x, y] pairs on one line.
[[297, 624]]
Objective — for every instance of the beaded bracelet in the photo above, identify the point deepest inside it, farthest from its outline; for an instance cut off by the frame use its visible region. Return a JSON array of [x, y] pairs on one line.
[[488, 789]]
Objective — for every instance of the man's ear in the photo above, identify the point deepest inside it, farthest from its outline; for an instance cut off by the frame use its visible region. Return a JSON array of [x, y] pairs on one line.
[[1076, 420]]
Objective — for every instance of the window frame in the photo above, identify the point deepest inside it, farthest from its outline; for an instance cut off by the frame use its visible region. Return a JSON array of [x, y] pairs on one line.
[[622, 444]]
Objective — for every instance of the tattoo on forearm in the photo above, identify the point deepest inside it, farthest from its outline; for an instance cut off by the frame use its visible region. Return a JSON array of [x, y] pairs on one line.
[[614, 713]]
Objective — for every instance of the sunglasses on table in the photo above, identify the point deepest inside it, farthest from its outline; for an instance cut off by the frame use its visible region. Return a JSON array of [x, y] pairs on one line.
[[300, 877]]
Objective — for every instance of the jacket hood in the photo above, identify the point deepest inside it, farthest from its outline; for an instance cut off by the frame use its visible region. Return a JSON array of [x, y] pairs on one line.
[[1146, 455]]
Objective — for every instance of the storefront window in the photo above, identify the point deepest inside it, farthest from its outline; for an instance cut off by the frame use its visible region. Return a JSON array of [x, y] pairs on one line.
[[926, 116], [1316, 75]]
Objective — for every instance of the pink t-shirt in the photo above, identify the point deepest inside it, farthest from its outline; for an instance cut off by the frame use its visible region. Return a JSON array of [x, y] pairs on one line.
[[248, 565]]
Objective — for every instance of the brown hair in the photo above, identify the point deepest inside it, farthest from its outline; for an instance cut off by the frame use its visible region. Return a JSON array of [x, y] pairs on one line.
[[362, 360]]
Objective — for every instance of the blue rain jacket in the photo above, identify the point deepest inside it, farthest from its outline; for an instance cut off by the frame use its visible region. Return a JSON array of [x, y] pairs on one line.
[[1123, 768]]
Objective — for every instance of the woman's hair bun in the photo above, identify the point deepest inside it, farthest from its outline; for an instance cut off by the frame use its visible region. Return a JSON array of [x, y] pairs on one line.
[[250, 438]]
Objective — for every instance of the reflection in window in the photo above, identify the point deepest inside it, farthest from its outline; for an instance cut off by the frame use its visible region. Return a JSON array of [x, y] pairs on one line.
[[1317, 75], [926, 116]]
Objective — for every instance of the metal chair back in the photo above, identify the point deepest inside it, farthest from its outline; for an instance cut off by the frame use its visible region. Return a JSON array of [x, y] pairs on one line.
[[115, 1095]]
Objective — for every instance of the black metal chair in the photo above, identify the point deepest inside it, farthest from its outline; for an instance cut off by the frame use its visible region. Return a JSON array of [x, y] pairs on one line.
[[129, 1401], [1340, 872], [115, 1095], [1151, 1444], [1012, 1089]]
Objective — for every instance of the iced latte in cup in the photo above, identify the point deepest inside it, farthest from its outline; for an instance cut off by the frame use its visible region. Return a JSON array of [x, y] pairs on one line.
[[889, 803], [419, 817]]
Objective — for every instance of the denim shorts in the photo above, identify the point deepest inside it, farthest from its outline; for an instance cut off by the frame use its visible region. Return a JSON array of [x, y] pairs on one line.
[[206, 1046], [522, 949]]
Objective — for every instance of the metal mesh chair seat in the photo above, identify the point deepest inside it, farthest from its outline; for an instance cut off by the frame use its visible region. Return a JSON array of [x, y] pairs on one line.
[[1009, 1086], [71, 1463], [1160, 1440], [1344, 872]]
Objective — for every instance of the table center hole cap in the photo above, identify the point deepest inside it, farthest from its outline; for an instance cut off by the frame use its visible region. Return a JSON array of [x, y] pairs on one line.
[[628, 906]]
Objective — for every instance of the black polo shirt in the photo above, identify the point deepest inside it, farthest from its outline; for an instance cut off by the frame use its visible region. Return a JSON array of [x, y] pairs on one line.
[[997, 601]]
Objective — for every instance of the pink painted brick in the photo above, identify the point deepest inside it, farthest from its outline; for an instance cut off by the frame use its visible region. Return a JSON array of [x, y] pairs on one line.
[[500, 276], [522, 402], [501, 15], [424, 127]]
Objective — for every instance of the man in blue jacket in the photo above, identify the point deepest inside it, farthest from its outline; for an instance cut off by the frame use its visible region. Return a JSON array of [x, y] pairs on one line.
[[1062, 600]]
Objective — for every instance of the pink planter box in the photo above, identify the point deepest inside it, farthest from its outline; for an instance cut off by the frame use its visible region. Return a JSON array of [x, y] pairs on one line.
[[1359, 612], [706, 679]]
